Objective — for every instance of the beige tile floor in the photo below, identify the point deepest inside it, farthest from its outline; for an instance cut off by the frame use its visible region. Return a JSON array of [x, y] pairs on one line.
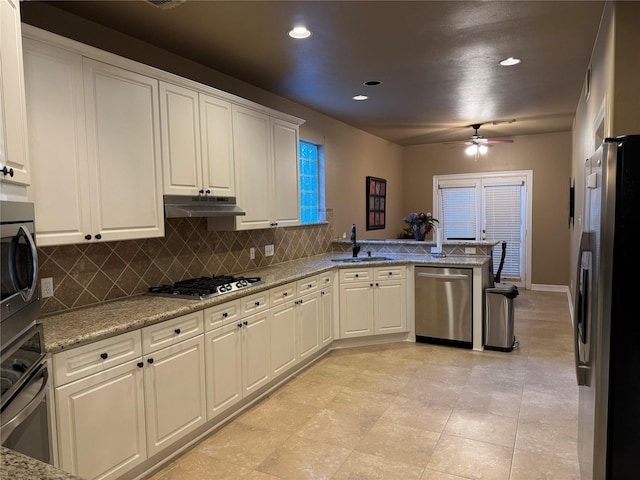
[[407, 411]]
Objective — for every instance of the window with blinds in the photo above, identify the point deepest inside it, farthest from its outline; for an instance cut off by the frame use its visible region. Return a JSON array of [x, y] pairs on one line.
[[490, 207]]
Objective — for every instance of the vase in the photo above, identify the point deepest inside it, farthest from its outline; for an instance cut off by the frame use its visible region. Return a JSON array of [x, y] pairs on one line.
[[418, 235]]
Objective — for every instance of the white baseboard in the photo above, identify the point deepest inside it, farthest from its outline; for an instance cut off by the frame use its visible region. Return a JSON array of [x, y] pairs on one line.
[[549, 288]]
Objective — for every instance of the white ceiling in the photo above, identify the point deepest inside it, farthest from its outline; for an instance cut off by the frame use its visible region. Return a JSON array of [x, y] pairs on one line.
[[437, 61]]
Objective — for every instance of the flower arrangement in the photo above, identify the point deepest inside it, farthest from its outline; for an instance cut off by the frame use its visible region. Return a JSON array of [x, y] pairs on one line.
[[420, 224]]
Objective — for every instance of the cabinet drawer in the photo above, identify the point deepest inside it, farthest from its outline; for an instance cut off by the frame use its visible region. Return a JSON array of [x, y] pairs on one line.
[[257, 302], [325, 279], [355, 274], [308, 285], [282, 293], [170, 332], [215, 317], [382, 273], [95, 357]]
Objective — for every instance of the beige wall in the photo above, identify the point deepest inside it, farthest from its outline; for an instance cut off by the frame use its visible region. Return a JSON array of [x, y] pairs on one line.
[[548, 156], [614, 98], [350, 153]]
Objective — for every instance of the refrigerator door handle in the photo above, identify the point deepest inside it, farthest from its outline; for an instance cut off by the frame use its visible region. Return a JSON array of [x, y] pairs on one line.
[[581, 307]]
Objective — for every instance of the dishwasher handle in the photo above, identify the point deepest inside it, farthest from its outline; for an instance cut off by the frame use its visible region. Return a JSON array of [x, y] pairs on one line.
[[444, 276]]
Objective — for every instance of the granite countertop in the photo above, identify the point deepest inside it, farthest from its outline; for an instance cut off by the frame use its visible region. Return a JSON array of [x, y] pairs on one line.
[[16, 466], [78, 327]]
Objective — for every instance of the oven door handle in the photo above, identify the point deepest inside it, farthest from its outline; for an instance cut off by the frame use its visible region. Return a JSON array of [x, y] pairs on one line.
[[30, 290], [8, 427]]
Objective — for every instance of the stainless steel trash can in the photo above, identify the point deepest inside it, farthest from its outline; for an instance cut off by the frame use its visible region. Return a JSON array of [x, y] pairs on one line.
[[498, 317]]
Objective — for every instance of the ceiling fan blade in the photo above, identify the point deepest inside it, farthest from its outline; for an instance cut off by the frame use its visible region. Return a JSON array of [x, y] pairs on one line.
[[498, 141]]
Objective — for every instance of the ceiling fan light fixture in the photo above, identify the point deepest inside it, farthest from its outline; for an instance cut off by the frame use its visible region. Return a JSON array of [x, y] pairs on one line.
[[471, 149], [482, 149], [299, 32], [509, 62]]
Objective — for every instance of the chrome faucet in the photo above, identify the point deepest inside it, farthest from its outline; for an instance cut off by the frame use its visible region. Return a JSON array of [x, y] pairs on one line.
[[356, 247]]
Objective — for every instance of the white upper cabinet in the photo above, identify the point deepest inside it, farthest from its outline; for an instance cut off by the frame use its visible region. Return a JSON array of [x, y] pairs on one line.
[[197, 143], [14, 164], [95, 148], [266, 161], [123, 131]]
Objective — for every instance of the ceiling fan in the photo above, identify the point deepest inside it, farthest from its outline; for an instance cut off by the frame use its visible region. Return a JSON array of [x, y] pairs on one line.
[[478, 145]]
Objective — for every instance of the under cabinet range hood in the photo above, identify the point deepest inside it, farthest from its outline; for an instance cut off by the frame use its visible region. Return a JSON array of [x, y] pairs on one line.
[[180, 206]]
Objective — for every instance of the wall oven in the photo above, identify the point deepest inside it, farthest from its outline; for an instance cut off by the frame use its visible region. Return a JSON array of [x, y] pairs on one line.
[[24, 376]]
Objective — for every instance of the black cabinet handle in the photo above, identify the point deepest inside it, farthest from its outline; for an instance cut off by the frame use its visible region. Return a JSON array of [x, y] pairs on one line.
[[140, 364], [225, 315], [149, 360], [201, 192], [87, 237], [98, 236], [285, 294], [257, 304], [104, 356], [245, 323], [274, 224], [7, 171], [177, 330], [208, 191], [239, 325]]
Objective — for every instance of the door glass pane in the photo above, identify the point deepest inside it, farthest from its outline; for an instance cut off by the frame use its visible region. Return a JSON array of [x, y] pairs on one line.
[[459, 213], [503, 223]]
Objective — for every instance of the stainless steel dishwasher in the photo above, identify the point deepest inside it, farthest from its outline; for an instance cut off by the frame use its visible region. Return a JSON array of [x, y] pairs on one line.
[[443, 305]]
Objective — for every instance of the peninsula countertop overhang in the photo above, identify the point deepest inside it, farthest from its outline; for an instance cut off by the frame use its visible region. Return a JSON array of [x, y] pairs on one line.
[[78, 327]]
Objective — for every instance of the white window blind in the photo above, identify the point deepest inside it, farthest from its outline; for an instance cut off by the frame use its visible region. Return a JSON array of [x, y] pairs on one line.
[[503, 223], [459, 213]]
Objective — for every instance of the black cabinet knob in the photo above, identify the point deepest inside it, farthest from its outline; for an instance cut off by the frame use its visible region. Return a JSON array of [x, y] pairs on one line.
[[104, 356], [357, 275], [245, 323], [371, 284], [140, 364], [98, 236], [225, 315], [377, 284], [257, 304], [208, 191], [149, 360], [285, 294], [87, 237], [7, 171], [177, 330], [239, 325], [201, 192]]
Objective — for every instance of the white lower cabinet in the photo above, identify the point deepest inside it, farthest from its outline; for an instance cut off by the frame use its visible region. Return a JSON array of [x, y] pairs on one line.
[[175, 398], [283, 337], [308, 319], [109, 422], [373, 301], [237, 361], [101, 423], [326, 315]]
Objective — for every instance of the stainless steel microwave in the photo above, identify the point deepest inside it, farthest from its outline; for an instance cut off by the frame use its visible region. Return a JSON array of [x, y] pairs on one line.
[[20, 303]]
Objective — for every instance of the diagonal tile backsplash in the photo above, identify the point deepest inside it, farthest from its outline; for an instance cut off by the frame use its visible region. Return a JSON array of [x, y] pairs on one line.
[[88, 274]]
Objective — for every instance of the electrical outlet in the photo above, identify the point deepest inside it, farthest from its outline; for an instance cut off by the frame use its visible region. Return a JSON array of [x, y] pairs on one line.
[[46, 287], [469, 250], [268, 251], [252, 253]]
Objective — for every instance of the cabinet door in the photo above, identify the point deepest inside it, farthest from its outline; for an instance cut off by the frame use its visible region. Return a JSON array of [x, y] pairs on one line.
[[181, 161], [286, 197], [217, 146], [101, 423], [390, 307], [57, 143], [356, 309], [256, 352], [283, 337], [253, 167], [308, 324], [174, 387], [223, 354], [326, 316], [13, 120], [123, 131]]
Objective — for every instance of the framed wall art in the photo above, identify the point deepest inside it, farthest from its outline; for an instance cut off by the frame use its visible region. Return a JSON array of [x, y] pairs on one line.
[[376, 203]]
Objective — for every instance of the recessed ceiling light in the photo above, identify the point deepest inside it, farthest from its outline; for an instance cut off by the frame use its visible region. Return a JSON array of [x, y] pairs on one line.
[[371, 83], [507, 62], [360, 97], [299, 32]]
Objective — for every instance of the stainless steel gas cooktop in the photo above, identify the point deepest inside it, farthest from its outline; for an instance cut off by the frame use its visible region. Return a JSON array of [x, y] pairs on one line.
[[204, 287]]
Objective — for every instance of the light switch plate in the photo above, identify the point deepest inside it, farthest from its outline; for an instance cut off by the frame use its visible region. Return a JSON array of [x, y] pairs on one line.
[[268, 251]]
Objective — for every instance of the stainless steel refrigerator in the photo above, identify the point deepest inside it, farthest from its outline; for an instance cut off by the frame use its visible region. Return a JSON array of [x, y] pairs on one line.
[[607, 314]]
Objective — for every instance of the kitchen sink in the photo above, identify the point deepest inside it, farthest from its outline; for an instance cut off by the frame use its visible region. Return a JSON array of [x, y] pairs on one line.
[[359, 259]]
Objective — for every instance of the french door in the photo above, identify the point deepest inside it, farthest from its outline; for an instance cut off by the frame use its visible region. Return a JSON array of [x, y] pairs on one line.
[[493, 207]]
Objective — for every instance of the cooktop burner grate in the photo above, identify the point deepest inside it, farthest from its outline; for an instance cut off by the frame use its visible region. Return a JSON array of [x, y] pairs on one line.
[[204, 287]]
